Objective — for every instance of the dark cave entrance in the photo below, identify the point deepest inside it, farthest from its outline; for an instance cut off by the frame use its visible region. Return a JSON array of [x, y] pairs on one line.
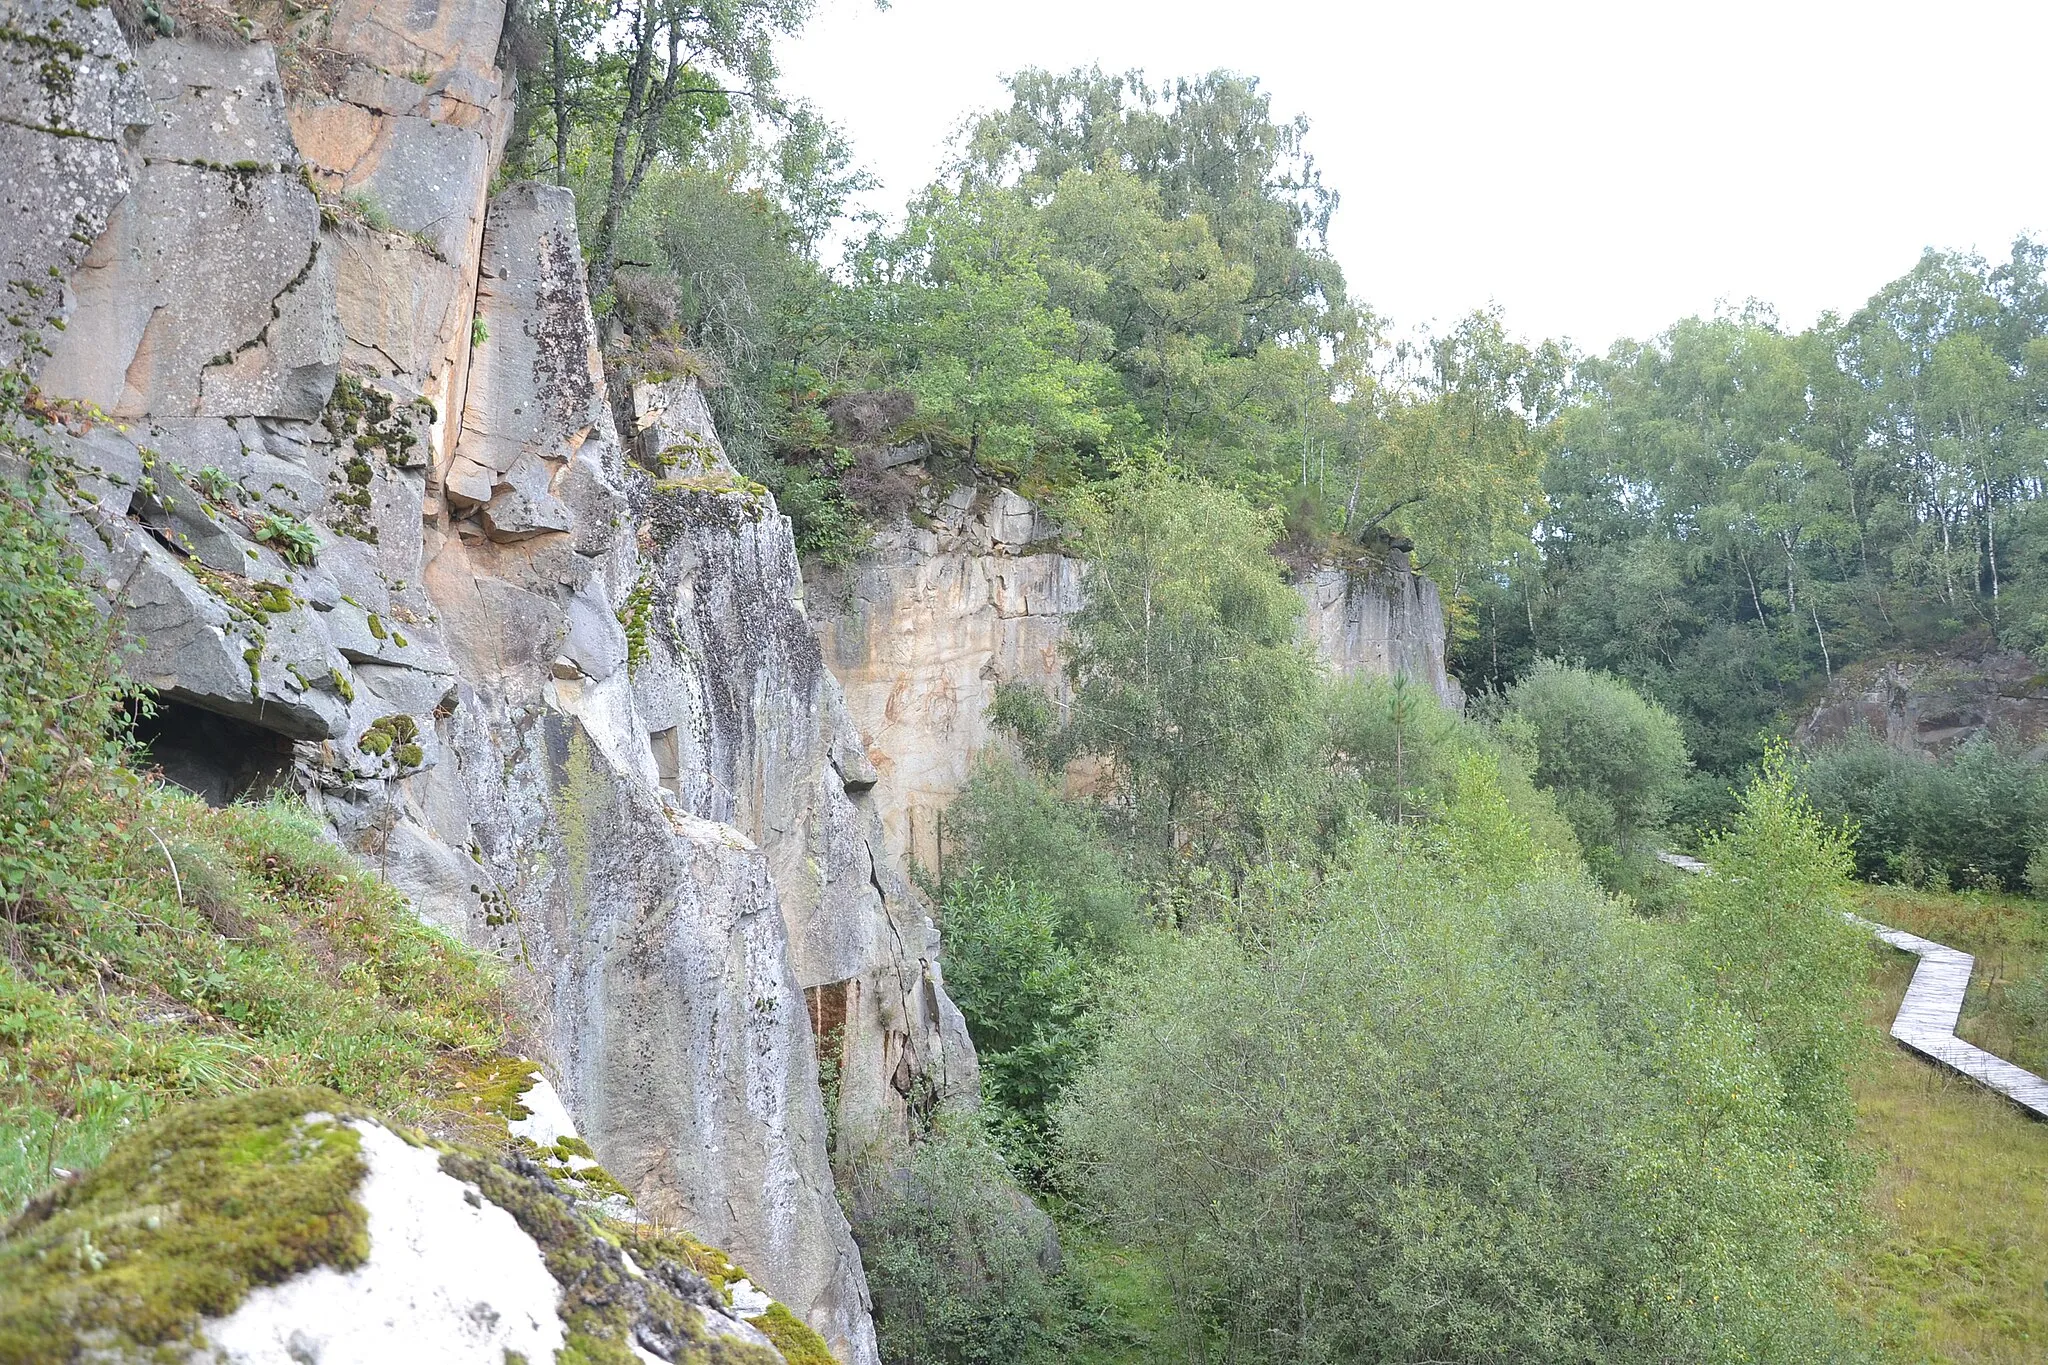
[[217, 758]]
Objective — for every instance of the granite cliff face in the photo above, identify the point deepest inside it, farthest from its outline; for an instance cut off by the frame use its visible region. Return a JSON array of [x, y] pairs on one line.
[[352, 478], [976, 592], [1933, 705]]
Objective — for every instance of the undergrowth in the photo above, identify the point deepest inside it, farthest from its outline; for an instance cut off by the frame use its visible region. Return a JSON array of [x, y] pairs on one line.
[[1955, 1269], [206, 951]]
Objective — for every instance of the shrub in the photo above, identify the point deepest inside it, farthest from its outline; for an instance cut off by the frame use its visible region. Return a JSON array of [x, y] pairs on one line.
[[1971, 820], [1452, 1109], [1399, 740], [1017, 828], [964, 1270], [1614, 760], [1024, 992], [1767, 931]]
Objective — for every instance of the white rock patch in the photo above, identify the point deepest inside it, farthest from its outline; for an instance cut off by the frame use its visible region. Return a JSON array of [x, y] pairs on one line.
[[547, 1119], [451, 1277], [747, 1301]]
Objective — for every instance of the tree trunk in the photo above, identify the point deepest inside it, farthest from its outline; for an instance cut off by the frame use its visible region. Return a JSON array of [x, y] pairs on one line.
[[605, 253], [561, 74]]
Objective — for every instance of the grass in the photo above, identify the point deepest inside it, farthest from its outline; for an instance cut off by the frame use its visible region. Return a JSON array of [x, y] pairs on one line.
[[2004, 1011], [1123, 1310], [1955, 1266], [205, 952]]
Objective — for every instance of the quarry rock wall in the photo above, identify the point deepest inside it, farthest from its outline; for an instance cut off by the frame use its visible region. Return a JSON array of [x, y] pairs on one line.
[[975, 590], [349, 474]]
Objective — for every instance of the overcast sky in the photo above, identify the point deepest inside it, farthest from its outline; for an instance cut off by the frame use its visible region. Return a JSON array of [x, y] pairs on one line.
[[1597, 169]]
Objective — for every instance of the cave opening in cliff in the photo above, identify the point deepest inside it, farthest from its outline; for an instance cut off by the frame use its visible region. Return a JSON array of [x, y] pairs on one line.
[[217, 758]]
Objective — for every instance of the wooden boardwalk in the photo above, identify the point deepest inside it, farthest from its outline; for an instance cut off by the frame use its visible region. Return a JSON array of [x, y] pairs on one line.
[[1926, 1021]]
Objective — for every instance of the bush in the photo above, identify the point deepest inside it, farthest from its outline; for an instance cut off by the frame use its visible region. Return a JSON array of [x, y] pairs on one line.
[[1399, 740], [1614, 760], [1024, 992], [1453, 1109], [1017, 828], [962, 1267], [1767, 931], [1975, 819]]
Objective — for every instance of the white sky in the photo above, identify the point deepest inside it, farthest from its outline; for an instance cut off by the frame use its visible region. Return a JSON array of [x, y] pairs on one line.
[[1598, 169]]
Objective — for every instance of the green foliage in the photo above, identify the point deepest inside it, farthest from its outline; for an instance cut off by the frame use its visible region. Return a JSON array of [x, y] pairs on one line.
[[962, 1267], [1001, 374], [1613, 760], [1024, 990], [1451, 1107], [1976, 819], [200, 952], [290, 537], [1016, 828], [60, 682], [1399, 740], [1737, 511], [1187, 675], [216, 487], [1767, 931], [479, 331]]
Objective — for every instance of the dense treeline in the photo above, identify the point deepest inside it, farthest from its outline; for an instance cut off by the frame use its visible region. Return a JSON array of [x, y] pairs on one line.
[[1735, 512], [1109, 270]]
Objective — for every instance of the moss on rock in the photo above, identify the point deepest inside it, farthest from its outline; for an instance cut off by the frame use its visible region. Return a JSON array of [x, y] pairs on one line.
[[180, 1222], [190, 1214]]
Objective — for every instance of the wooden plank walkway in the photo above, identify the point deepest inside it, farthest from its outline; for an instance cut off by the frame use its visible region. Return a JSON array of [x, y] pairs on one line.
[[1926, 1021]]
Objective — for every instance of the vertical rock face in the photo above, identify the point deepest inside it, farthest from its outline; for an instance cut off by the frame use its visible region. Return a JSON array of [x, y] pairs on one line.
[[937, 614], [368, 505], [1380, 620], [1931, 705], [68, 98], [922, 631]]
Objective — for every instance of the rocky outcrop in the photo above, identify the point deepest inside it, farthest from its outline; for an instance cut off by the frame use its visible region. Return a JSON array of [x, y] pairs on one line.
[[1378, 619], [975, 590], [282, 1227], [1931, 706], [375, 516]]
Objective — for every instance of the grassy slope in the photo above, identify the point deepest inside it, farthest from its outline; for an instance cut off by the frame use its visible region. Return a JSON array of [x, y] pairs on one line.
[[209, 951], [1956, 1266]]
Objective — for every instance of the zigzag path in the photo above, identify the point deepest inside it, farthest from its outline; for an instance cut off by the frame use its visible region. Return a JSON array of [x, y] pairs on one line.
[[1926, 1021]]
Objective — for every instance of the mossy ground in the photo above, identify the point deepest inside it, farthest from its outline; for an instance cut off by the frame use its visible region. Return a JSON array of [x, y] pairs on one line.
[[190, 1213], [202, 952], [1955, 1267], [179, 1224]]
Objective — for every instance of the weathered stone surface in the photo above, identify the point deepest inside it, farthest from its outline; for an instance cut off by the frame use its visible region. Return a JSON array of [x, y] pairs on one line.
[[523, 504], [198, 648], [1379, 620], [536, 383], [68, 94], [1932, 706], [932, 622], [208, 294], [935, 617]]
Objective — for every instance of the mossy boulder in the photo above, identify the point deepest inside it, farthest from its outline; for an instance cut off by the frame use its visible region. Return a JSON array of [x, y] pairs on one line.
[[277, 1220]]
